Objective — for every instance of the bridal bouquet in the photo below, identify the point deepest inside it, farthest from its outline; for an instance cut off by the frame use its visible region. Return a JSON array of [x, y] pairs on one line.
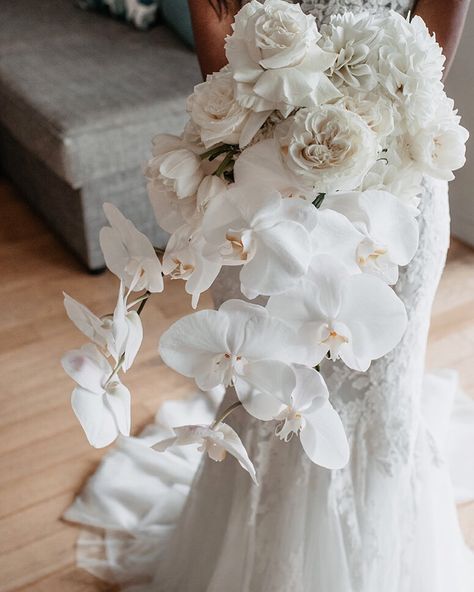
[[302, 163]]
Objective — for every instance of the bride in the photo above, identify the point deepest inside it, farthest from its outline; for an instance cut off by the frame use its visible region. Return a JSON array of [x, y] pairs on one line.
[[387, 522]]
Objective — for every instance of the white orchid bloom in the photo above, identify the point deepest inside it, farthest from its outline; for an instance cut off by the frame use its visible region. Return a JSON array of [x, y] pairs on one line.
[[96, 329], [215, 441], [240, 339], [335, 235], [126, 332], [357, 318], [388, 230], [119, 335], [301, 405], [268, 235], [100, 403], [129, 254], [183, 259], [308, 413]]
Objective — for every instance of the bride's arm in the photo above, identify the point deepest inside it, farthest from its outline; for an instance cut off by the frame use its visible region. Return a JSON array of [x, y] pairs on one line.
[[446, 19], [211, 24]]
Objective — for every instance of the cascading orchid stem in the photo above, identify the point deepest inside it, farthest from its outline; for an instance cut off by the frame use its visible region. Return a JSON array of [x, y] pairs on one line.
[[226, 414], [144, 300], [213, 153], [116, 369]]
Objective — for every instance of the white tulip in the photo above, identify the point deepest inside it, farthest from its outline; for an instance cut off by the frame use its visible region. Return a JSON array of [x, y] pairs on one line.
[[439, 149], [216, 441], [268, 235], [275, 60], [183, 259], [357, 318], [388, 230], [100, 403], [175, 165], [210, 187], [216, 346], [129, 254], [170, 211]]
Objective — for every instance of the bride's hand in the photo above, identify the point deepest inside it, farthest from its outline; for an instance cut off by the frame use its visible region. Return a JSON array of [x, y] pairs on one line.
[[446, 19], [212, 21]]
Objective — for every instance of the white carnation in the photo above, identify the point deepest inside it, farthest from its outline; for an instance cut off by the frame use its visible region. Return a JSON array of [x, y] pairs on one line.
[[354, 38], [410, 65]]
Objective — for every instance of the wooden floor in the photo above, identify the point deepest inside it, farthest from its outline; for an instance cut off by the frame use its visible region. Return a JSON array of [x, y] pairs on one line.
[[44, 456]]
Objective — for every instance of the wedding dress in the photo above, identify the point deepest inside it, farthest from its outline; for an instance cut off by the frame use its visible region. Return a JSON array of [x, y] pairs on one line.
[[387, 522]]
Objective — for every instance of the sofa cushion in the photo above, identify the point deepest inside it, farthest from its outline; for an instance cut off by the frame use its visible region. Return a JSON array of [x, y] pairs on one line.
[[141, 13], [86, 94], [176, 15]]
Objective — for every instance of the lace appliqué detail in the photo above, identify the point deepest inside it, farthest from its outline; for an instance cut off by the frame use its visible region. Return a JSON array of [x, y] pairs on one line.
[[323, 10]]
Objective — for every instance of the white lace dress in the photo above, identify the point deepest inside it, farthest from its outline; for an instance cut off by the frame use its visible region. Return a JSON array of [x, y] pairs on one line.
[[387, 522]]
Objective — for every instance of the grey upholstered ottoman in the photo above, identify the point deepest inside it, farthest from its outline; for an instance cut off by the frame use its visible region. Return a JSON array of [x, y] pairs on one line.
[[81, 96]]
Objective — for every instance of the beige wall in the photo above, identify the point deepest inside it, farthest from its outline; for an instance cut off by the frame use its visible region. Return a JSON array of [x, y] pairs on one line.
[[460, 86]]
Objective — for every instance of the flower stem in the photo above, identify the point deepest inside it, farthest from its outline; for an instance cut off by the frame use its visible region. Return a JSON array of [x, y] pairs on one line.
[[226, 413], [224, 164], [115, 370], [214, 152], [319, 200], [143, 302]]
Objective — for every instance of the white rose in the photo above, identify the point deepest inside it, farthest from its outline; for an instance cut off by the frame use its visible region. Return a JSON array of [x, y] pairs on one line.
[[218, 116], [175, 165], [354, 38], [275, 60], [328, 148]]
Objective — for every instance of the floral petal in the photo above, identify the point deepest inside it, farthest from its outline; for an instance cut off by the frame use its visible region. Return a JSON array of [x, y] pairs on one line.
[[117, 400], [233, 444], [310, 391], [262, 388], [190, 344], [375, 316], [96, 420], [323, 438], [86, 321], [88, 367]]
